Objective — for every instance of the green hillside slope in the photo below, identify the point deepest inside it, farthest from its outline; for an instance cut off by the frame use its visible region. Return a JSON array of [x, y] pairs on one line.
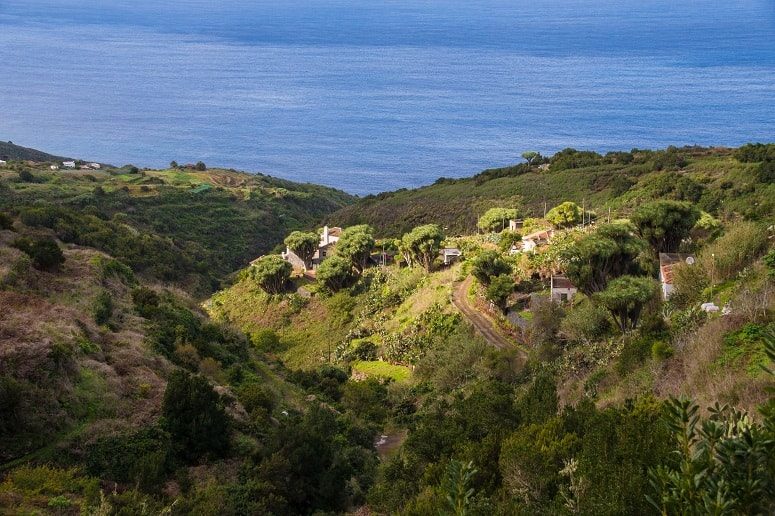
[[713, 178], [10, 151], [183, 226]]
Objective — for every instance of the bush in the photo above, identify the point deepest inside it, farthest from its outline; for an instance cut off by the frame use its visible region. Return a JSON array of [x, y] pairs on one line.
[[507, 239], [266, 340], [661, 350], [103, 308], [585, 323], [194, 416], [44, 251], [6, 222]]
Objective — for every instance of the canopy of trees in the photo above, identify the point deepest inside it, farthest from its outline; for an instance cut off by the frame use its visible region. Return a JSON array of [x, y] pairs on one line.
[[356, 244], [664, 224], [271, 273], [304, 245], [611, 251], [565, 215], [421, 245], [488, 265], [336, 273], [625, 298], [496, 219]]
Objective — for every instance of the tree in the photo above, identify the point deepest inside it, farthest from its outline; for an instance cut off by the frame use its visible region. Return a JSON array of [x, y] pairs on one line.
[[421, 245], [664, 224], [530, 156], [356, 244], [488, 265], [565, 215], [304, 245], [612, 251], [173, 164], [26, 176], [200, 166], [44, 251], [496, 219], [625, 298], [508, 238], [194, 416], [500, 289], [336, 273], [271, 273]]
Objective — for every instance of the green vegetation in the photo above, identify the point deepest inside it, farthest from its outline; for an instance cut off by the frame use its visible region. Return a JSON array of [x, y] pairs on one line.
[[160, 223], [304, 245], [496, 219], [271, 273], [404, 388]]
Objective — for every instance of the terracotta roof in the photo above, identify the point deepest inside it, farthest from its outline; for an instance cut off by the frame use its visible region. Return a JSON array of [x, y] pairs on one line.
[[668, 260], [561, 282], [545, 234], [337, 232]]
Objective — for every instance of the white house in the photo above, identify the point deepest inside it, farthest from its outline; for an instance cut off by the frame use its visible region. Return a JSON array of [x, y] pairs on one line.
[[3, 163], [450, 255], [95, 166], [54, 167], [328, 238], [666, 263], [562, 289], [68, 164]]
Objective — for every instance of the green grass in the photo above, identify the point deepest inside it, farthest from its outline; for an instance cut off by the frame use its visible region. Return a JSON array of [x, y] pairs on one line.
[[376, 368]]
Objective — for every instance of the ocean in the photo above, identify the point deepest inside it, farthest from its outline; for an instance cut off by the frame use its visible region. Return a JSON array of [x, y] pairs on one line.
[[369, 96]]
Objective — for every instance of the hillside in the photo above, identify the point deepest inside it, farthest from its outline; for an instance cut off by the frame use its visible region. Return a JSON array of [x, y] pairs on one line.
[[384, 381], [605, 382], [119, 396], [712, 178], [186, 227], [12, 152]]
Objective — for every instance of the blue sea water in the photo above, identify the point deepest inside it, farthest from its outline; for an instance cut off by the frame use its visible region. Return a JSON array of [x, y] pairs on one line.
[[376, 95]]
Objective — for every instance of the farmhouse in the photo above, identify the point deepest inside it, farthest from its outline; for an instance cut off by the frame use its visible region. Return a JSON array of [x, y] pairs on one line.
[[328, 238], [68, 164], [666, 263], [562, 289]]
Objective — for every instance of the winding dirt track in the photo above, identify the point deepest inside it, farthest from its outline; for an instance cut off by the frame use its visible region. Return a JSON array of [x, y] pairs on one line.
[[482, 324]]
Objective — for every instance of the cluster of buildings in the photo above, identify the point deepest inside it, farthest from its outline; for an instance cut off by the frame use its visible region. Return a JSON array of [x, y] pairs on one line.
[[72, 165]]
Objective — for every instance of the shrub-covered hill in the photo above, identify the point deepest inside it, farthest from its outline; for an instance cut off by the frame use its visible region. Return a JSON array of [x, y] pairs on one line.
[[10, 151], [119, 396], [721, 181], [181, 226]]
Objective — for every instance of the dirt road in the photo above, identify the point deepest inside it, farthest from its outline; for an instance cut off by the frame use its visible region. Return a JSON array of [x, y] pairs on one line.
[[485, 326]]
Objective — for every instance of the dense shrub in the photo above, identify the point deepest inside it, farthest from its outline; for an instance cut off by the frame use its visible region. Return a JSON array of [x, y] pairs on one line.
[[585, 323], [488, 265], [194, 416], [6, 222], [44, 252], [336, 273], [271, 273], [103, 307]]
